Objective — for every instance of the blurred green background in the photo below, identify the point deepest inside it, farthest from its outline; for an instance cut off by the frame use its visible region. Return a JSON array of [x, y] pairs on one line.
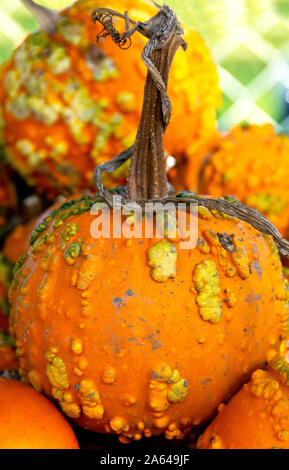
[[249, 40]]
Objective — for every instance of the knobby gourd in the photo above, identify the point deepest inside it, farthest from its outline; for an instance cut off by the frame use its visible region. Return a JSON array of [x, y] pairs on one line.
[[69, 103], [135, 335], [252, 163]]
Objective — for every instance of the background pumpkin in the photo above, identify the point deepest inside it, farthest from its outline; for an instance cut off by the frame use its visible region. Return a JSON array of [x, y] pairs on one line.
[[66, 86], [30, 421], [252, 163], [256, 417]]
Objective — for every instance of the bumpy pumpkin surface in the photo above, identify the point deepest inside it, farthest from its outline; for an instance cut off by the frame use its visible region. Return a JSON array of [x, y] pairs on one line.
[[69, 104], [252, 163], [141, 337], [257, 417], [30, 421]]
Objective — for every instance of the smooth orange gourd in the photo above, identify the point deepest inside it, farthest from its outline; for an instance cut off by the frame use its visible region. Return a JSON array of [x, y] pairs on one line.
[[69, 103], [252, 163], [257, 417], [30, 421]]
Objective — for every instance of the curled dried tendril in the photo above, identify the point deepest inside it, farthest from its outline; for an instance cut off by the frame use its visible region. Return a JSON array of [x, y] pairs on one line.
[[104, 17]]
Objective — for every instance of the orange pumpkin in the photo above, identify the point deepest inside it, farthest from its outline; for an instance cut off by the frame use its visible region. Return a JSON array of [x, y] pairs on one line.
[[135, 335], [63, 84], [252, 163], [111, 313], [257, 417], [30, 421]]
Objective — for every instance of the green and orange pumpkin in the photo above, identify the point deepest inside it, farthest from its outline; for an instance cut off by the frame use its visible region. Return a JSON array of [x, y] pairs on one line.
[[68, 104]]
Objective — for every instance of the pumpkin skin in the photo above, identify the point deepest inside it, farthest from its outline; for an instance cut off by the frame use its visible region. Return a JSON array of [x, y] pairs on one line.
[[252, 164], [30, 421], [255, 418], [90, 103], [127, 344]]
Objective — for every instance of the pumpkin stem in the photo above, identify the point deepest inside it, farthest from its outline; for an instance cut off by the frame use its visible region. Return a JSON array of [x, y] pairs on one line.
[[148, 174], [46, 18]]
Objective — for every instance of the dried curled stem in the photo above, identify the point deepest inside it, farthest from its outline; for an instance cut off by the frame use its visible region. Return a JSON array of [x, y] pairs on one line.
[[148, 177]]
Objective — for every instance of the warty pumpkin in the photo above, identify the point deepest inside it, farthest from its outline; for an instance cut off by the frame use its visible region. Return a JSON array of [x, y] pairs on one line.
[[68, 103], [137, 336], [31, 421], [257, 417], [252, 163]]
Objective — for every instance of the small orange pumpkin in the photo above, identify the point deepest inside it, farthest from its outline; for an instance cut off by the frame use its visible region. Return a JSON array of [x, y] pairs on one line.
[[30, 421], [137, 336]]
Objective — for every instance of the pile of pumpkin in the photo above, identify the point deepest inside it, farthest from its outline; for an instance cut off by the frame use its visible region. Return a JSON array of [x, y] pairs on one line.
[[134, 337]]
